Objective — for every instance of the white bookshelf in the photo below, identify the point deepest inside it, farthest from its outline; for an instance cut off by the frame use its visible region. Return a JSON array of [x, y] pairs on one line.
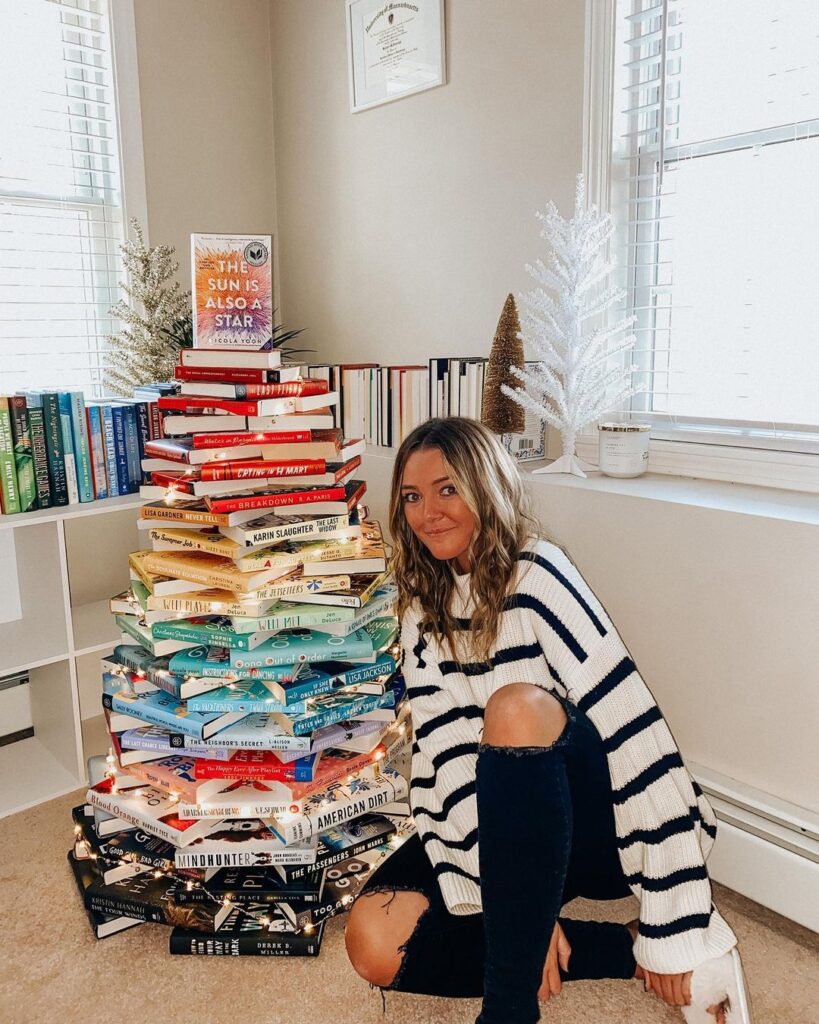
[[58, 568]]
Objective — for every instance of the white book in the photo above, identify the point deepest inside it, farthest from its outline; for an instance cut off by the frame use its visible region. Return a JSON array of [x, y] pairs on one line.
[[210, 424], [230, 358]]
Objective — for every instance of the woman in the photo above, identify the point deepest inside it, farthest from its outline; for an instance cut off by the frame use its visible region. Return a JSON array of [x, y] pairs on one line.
[[533, 729]]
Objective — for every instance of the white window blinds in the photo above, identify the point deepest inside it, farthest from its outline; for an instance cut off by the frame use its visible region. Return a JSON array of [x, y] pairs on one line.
[[60, 193], [715, 158]]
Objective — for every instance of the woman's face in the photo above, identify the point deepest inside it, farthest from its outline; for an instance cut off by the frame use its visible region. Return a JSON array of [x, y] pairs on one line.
[[435, 512]]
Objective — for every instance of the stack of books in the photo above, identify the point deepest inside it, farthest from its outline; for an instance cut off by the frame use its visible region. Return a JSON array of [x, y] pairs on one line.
[[57, 448], [254, 705]]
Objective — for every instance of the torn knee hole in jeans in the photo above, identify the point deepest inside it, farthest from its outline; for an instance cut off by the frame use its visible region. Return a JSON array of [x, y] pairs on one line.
[[561, 741]]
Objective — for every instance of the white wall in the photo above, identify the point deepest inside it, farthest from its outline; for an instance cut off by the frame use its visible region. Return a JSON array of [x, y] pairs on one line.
[[403, 228]]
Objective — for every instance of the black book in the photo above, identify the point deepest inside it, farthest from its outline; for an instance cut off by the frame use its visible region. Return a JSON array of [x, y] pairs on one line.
[[87, 844], [151, 898], [102, 925], [342, 884], [242, 935], [348, 840], [255, 885]]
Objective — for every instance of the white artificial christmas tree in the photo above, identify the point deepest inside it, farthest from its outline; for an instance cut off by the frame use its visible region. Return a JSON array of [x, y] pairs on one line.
[[576, 378]]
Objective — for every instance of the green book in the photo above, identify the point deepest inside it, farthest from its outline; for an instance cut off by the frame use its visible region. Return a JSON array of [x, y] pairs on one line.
[[36, 421], [23, 453], [54, 448], [8, 473]]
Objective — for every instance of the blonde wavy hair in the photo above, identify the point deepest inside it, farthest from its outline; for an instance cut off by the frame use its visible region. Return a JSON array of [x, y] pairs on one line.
[[488, 481]]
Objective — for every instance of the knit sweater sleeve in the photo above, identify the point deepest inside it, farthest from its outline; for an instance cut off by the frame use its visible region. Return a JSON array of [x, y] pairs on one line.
[[665, 826]]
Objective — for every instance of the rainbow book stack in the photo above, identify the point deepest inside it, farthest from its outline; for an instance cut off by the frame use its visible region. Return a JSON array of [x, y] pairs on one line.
[[256, 713]]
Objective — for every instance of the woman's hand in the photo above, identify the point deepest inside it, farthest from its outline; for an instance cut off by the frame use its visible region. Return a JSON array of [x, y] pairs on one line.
[[673, 989], [558, 954]]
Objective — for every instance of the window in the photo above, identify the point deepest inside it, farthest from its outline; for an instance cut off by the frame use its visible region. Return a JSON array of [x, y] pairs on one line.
[[714, 154], [61, 209]]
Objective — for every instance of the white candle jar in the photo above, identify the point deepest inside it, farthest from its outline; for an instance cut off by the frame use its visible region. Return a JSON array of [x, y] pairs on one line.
[[623, 448]]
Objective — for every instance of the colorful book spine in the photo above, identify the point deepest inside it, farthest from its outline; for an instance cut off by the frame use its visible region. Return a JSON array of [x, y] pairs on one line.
[[92, 415], [305, 645], [82, 446], [132, 448], [110, 449], [23, 454], [340, 708], [68, 448], [121, 449], [36, 420], [54, 449], [339, 675], [9, 494], [143, 422]]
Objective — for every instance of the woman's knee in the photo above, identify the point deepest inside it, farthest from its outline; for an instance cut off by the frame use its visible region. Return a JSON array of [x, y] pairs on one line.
[[522, 715], [379, 924]]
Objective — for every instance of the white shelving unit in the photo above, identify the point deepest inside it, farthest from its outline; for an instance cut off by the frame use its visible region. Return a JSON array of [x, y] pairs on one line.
[[58, 568]]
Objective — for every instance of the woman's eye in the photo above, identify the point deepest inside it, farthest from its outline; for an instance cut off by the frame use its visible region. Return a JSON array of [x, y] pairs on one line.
[[448, 490], [409, 497]]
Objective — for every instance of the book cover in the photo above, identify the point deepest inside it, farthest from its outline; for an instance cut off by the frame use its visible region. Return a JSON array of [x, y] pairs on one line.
[[380, 605], [215, 571], [360, 591], [149, 898], [259, 732], [283, 374], [88, 846], [230, 358], [134, 627], [158, 586], [370, 555], [210, 602], [309, 645], [245, 843], [120, 426], [148, 809], [175, 775], [216, 630], [299, 388], [240, 800], [86, 875], [160, 708], [155, 739], [132, 453], [351, 839], [175, 424], [342, 884], [241, 936], [232, 292], [295, 553], [69, 456], [297, 437], [288, 615], [192, 511], [82, 446], [251, 695], [250, 765], [54, 448], [36, 419], [284, 497], [335, 675], [261, 885], [317, 419], [99, 473], [339, 803], [23, 453], [109, 446], [340, 707], [183, 451], [273, 528], [8, 472]]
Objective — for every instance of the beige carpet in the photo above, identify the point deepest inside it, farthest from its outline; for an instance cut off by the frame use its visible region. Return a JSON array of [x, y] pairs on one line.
[[53, 970]]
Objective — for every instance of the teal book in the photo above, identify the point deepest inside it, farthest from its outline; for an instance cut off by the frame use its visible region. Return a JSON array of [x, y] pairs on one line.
[[210, 630], [310, 645], [135, 627], [23, 453], [340, 707], [82, 446], [69, 460], [334, 675], [54, 448], [97, 449], [36, 421], [160, 708], [287, 615], [215, 662], [9, 495], [247, 695]]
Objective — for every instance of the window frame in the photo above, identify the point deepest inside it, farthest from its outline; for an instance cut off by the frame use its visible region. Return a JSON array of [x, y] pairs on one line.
[[735, 451]]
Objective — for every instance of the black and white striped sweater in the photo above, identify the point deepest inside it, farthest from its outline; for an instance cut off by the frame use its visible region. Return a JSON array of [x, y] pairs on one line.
[[554, 633]]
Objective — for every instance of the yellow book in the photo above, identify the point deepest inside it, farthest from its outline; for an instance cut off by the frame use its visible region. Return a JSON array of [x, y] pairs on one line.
[[212, 602], [212, 570]]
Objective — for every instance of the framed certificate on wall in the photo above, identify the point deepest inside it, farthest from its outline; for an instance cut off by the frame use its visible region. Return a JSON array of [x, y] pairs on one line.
[[394, 49]]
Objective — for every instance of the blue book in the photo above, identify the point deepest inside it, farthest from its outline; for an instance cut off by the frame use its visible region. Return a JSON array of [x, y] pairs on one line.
[[259, 732], [341, 707], [132, 448], [160, 708], [297, 645], [82, 446], [247, 695], [143, 420], [109, 446], [215, 662], [97, 448], [121, 449], [64, 400], [151, 737], [336, 675]]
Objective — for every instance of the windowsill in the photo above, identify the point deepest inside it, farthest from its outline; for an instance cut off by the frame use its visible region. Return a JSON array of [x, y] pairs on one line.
[[744, 499]]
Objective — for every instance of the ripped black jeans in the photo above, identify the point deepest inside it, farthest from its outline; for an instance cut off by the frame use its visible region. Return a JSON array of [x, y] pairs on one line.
[[547, 835]]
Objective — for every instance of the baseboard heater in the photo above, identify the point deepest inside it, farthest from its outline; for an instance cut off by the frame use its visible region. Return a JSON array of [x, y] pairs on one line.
[[767, 848]]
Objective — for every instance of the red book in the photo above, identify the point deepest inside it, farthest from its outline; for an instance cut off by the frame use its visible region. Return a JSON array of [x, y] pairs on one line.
[[344, 495], [181, 482], [231, 374], [208, 403], [182, 451], [305, 387], [248, 469], [226, 440], [249, 765]]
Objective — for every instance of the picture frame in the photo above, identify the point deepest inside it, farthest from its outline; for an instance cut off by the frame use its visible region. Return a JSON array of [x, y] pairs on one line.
[[395, 48]]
